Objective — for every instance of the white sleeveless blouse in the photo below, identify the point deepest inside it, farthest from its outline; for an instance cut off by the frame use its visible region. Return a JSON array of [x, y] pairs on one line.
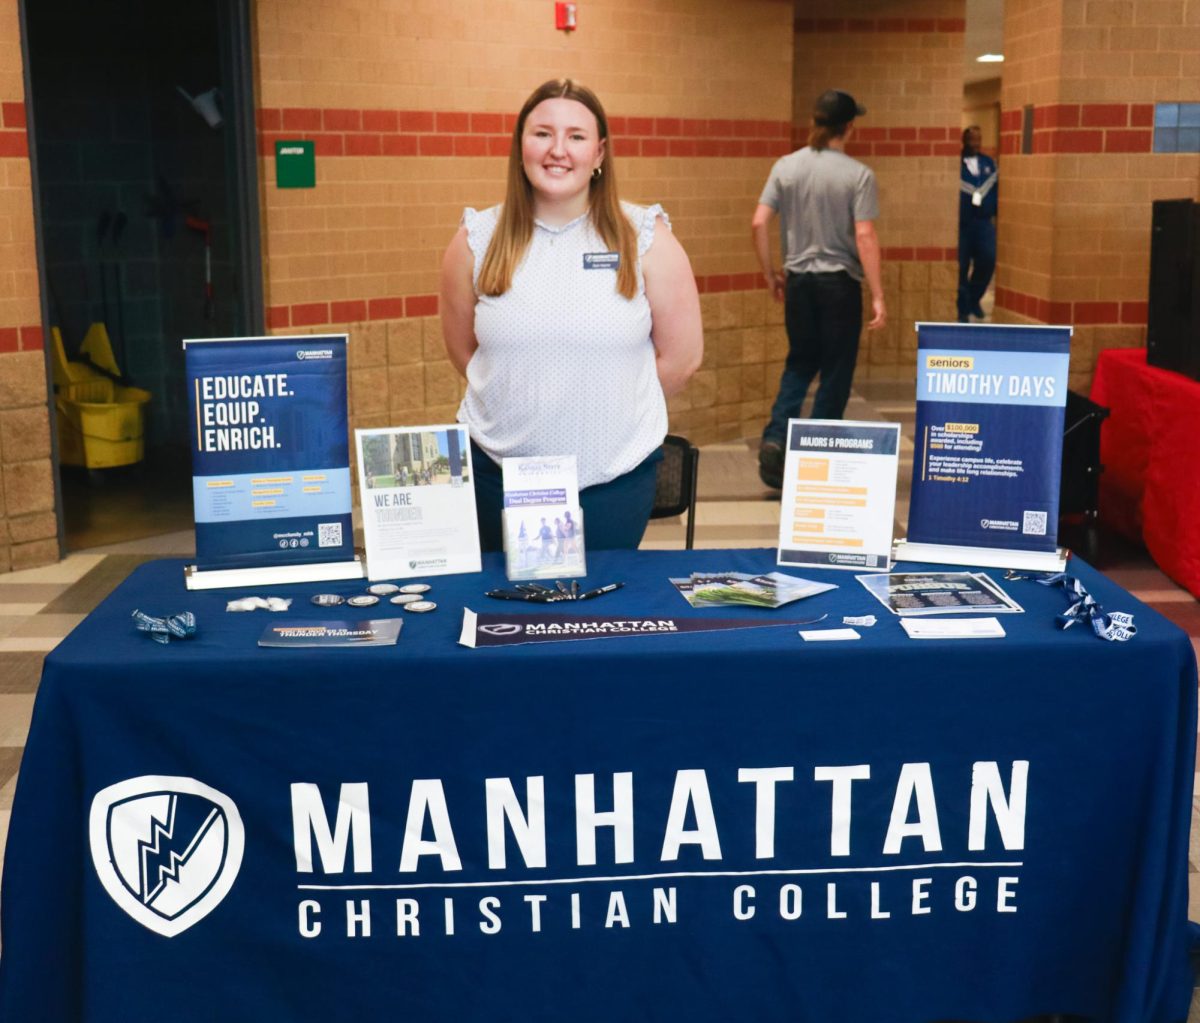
[[565, 365]]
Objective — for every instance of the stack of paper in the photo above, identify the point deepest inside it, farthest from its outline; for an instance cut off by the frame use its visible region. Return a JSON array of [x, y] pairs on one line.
[[936, 593], [774, 589], [961, 628]]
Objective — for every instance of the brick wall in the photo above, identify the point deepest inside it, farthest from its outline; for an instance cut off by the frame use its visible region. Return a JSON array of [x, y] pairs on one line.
[[902, 59], [1074, 243], [411, 105], [28, 527]]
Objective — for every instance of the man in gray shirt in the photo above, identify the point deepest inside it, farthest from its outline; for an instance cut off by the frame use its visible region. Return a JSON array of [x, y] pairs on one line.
[[827, 205]]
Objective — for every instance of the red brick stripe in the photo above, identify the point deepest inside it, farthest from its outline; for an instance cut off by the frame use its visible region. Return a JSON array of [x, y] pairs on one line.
[[1081, 314], [839, 26], [343, 132], [1082, 128], [904, 140], [927, 254], [311, 314], [13, 138], [14, 143], [13, 115], [21, 339]]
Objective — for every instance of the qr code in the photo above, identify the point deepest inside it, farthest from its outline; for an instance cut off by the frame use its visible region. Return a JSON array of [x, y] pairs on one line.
[[1034, 523], [329, 534]]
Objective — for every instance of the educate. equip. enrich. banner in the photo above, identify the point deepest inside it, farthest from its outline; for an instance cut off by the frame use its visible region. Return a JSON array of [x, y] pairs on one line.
[[990, 408], [270, 451]]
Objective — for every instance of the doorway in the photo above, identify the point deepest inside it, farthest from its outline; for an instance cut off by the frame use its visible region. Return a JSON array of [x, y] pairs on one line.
[[983, 64], [142, 144]]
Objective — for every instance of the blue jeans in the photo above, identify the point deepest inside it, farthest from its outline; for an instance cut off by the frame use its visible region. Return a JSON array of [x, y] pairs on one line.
[[614, 513], [976, 262], [823, 314]]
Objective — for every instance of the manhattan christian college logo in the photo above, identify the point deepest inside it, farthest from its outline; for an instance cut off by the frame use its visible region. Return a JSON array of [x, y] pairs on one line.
[[501, 629], [167, 849]]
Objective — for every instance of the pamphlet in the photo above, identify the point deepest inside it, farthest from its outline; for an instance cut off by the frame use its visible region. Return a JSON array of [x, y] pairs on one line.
[[773, 589], [542, 519], [333, 633], [933, 593], [418, 501], [839, 494]]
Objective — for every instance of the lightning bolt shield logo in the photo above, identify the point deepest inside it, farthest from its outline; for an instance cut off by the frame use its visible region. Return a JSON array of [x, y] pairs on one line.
[[166, 849]]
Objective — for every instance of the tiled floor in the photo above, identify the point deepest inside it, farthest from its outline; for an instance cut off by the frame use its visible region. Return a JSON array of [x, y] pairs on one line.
[[39, 607]]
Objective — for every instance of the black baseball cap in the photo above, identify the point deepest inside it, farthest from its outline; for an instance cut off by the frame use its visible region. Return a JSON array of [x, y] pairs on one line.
[[834, 107]]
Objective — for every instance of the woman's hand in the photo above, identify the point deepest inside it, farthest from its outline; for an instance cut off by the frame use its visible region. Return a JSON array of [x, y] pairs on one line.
[[458, 302], [676, 330]]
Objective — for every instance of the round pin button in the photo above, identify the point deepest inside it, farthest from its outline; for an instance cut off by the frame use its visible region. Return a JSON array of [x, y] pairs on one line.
[[363, 600], [416, 588], [405, 598], [383, 589], [327, 599], [420, 606]]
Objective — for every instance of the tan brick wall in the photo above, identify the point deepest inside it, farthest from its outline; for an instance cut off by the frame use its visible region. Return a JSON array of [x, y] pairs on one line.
[[28, 527], [902, 59], [688, 83], [1074, 243]]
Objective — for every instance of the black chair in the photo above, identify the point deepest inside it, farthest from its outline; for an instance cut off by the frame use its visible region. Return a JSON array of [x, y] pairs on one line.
[[675, 490]]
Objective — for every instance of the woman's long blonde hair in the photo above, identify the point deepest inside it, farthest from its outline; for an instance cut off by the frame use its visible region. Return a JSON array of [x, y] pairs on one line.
[[515, 227]]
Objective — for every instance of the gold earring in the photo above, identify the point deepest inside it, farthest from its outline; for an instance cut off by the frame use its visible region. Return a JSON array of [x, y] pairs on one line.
[[597, 171]]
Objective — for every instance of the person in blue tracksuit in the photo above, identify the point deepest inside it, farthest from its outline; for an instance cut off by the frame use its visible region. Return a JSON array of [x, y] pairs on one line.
[[977, 198]]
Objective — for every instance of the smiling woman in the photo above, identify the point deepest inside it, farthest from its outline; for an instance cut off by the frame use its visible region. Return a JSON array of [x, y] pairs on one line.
[[573, 316]]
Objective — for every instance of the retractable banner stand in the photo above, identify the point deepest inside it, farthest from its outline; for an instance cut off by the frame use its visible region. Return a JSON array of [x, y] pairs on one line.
[[270, 460], [988, 446]]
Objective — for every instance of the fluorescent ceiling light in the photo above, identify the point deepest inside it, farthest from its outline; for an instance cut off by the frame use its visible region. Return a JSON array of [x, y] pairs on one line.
[[990, 58]]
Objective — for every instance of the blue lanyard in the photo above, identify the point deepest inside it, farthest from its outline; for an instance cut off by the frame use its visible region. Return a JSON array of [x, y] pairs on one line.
[[181, 626], [1115, 626]]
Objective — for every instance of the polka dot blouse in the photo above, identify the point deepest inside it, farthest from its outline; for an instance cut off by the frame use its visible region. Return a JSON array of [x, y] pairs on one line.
[[565, 364]]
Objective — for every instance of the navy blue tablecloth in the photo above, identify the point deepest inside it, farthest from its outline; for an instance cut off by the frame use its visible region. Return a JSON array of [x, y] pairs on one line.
[[719, 826]]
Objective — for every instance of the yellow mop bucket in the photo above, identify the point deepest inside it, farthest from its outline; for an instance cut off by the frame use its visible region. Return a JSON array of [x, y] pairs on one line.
[[100, 422]]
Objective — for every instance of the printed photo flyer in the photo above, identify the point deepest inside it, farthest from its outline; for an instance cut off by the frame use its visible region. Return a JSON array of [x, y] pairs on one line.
[[543, 523], [418, 501]]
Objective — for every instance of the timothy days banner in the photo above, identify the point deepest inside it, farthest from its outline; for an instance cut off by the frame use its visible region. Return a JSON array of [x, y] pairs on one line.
[[988, 445]]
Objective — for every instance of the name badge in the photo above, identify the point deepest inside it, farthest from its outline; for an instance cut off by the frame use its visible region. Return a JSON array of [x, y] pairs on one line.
[[601, 260]]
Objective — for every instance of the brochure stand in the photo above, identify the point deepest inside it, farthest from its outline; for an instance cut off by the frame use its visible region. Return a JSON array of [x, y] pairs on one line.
[[542, 519]]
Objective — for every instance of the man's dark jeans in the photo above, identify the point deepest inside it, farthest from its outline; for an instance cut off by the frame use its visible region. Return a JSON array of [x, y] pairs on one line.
[[823, 313], [976, 263]]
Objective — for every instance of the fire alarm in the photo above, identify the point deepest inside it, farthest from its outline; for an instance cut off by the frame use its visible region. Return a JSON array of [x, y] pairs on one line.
[[564, 17]]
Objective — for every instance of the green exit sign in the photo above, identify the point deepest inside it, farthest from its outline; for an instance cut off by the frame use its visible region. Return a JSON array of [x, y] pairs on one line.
[[295, 164]]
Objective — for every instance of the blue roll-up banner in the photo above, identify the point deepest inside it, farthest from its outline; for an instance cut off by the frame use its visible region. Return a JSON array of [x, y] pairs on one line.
[[988, 445], [270, 451]]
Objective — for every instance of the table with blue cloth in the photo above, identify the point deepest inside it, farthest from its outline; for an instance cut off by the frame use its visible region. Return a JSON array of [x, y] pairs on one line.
[[712, 826]]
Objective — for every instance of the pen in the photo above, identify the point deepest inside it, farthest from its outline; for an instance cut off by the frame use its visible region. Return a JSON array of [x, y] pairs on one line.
[[600, 591], [574, 589]]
